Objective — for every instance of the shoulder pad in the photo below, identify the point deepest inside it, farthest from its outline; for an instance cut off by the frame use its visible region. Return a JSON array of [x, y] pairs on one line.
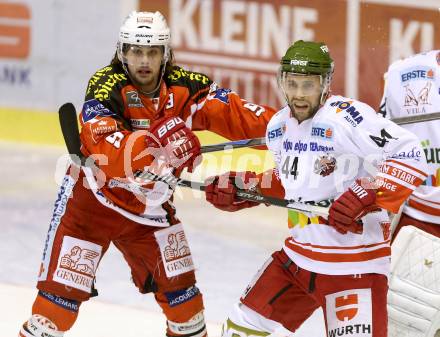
[[104, 81], [192, 80]]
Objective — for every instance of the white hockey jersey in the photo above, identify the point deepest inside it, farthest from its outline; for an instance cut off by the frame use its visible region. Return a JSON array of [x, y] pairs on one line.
[[319, 158], [412, 87]]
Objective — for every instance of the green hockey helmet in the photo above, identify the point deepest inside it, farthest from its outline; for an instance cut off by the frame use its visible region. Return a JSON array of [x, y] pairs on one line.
[[307, 57]]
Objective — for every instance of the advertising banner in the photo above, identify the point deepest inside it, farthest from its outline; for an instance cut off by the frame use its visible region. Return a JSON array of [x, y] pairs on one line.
[[239, 43], [49, 49]]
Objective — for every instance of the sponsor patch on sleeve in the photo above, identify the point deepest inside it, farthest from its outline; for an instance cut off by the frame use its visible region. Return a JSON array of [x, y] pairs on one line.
[[93, 108], [275, 131], [222, 95], [417, 74]]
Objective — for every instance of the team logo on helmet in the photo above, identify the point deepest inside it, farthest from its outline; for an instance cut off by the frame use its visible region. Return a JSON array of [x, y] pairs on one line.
[[298, 62], [145, 19], [324, 48]]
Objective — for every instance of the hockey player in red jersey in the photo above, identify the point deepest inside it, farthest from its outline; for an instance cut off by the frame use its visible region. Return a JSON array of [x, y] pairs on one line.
[[328, 150], [139, 113]]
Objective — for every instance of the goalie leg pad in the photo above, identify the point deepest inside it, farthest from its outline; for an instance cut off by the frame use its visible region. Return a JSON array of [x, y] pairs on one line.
[[414, 285]]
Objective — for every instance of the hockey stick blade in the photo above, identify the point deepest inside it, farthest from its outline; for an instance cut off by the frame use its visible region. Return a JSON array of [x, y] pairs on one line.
[[69, 127], [236, 144]]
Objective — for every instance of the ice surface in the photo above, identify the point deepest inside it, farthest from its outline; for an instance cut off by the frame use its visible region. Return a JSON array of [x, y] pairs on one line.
[[227, 248]]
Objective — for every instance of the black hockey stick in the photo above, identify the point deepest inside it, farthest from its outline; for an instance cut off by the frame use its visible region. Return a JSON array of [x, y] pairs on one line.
[[173, 181], [237, 144], [234, 144], [416, 118], [69, 128]]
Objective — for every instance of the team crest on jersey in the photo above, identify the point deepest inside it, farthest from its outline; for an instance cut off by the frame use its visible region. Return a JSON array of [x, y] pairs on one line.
[[133, 99], [174, 249], [324, 165], [352, 115]]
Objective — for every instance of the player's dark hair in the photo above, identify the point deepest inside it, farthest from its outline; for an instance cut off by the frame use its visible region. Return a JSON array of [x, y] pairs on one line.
[[169, 66]]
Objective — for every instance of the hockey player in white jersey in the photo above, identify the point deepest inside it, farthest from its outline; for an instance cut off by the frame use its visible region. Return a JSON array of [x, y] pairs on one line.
[[328, 150], [412, 87]]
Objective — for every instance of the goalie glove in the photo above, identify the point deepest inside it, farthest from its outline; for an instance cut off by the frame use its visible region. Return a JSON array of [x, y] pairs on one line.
[[353, 204], [221, 191]]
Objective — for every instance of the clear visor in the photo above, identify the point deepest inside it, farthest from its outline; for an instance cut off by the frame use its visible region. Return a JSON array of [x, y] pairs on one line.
[[137, 55], [300, 85]]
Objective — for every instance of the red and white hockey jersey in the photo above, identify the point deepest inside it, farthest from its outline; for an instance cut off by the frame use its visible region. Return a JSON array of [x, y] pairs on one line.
[[413, 88], [116, 116], [319, 158]]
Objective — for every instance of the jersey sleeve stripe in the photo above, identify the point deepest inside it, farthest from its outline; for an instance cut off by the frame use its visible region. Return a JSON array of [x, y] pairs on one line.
[[408, 168], [424, 207], [387, 177], [346, 257], [425, 201], [364, 247]]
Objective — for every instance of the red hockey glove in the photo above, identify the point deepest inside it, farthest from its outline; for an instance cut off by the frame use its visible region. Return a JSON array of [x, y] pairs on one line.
[[179, 145], [352, 205], [221, 190]]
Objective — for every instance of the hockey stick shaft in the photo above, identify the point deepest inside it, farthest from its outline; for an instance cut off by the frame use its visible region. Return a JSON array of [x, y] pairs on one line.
[[173, 181], [237, 144], [69, 128], [234, 145], [416, 118]]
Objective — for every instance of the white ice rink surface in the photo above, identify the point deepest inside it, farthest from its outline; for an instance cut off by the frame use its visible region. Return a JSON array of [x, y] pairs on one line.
[[227, 248]]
